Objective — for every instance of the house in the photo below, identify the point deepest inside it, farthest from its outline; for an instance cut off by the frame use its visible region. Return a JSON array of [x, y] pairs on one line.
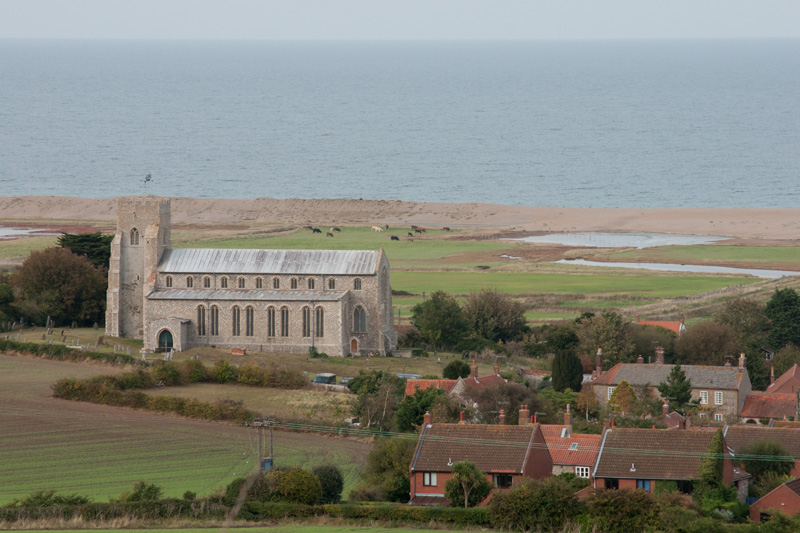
[[640, 458], [336, 301], [505, 453], [456, 387], [788, 383], [740, 438], [784, 498], [416, 384], [761, 405], [678, 328], [720, 391], [572, 453]]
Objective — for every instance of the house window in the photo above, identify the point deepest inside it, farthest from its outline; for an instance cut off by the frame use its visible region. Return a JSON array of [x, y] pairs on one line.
[[134, 236], [357, 284], [429, 479], [294, 283], [271, 322], [168, 282], [319, 322], [582, 471], [704, 397], [190, 282], [223, 283], [241, 283], [306, 322], [258, 283], [359, 320], [311, 284], [718, 397], [718, 417], [206, 283], [685, 486], [612, 483], [331, 284], [643, 484], [214, 320], [703, 415], [502, 481], [276, 283], [284, 321], [611, 392], [235, 321], [201, 320], [248, 321]]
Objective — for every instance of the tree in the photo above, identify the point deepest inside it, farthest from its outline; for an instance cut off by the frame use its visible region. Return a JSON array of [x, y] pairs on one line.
[[783, 309], [544, 504], [786, 358], [623, 397], [622, 511], [298, 486], [96, 247], [562, 339], [757, 370], [63, 285], [567, 372], [377, 396], [707, 343], [766, 457], [387, 472], [495, 316], [747, 318], [587, 401], [677, 390], [440, 319], [646, 337], [508, 396], [610, 333], [411, 410], [7, 312], [456, 369], [332, 482], [142, 491], [711, 462], [468, 485]]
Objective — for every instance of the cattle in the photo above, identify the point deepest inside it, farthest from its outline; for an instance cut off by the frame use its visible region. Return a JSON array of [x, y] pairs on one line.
[[335, 229], [446, 228], [411, 240], [316, 230], [410, 234], [377, 228], [329, 234], [417, 230], [386, 226], [395, 238], [306, 227], [413, 227], [421, 229]]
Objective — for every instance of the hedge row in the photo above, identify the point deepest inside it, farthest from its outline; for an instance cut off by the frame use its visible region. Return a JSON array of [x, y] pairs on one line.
[[479, 516], [60, 352], [146, 510]]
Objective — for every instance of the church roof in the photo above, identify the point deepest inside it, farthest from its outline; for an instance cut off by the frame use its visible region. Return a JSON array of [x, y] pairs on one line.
[[301, 262], [246, 295]]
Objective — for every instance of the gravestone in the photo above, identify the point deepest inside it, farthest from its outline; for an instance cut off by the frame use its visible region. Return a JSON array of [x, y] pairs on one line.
[[95, 326], [44, 337], [100, 340]]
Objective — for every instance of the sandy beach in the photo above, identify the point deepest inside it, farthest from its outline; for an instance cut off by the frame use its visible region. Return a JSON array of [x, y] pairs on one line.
[[99, 213]]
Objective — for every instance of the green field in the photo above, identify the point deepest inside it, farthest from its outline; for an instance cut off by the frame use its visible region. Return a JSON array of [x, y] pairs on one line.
[[21, 248], [288, 528], [789, 255]]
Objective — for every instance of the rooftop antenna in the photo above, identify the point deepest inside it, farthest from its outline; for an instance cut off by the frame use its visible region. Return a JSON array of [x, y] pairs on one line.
[[147, 178]]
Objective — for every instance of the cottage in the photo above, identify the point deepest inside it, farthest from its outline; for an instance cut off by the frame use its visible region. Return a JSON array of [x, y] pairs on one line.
[[572, 453], [784, 498], [739, 438]]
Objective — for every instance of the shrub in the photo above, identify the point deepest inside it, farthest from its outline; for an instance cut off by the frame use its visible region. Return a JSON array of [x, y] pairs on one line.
[[223, 372], [622, 511], [168, 374], [332, 483], [48, 498], [468, 485], [456, 369], [142, 491], [189, 495], [317, 355], [548, 504], [299, 486], [193, 371]]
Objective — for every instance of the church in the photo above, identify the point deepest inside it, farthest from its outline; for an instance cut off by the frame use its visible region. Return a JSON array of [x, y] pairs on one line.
[[336, 301]]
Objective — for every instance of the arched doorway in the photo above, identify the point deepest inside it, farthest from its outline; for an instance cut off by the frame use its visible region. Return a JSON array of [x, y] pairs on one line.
[[354, 346], [165, 341]]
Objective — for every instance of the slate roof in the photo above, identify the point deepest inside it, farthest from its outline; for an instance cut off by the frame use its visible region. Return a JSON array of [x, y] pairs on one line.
[[586, 447], [493, 448], [784, 424], [245, 295], [789, 382], [308, 262], [740, 437], [413, 385], [763, 405], [651, 453], [701, 376]]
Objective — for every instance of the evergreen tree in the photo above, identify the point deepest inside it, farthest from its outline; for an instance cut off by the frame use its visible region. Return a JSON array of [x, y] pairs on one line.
[[757, 370], [468, 485], [440, 320], [677, 390], [411, 410], [456, 369], [567, 372], [94, 246], [784, 311], [711, 463]]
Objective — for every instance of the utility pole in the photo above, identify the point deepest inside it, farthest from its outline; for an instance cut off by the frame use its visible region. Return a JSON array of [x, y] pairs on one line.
[[268, 462]]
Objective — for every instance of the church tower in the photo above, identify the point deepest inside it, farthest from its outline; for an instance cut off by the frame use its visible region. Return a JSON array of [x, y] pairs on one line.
[[143, 233]]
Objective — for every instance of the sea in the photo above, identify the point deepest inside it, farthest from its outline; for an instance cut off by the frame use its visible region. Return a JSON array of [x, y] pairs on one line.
[[616, 124]]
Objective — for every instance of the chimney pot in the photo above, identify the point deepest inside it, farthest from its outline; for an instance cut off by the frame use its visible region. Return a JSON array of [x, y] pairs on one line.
[[659, 355], [426, 419], [496, 369], [524, 415], [502, 417], [463, 418], [742, 361], [568, 422], [665, 408], [473, 372], [640, 360]]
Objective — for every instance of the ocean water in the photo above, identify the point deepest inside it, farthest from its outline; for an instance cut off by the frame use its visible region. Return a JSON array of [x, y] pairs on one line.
[[579, 124]]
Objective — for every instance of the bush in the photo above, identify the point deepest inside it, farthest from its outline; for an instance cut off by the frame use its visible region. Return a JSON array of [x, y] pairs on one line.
[[223, 372], [456, 369], [299, 486], [317, 355], [193, 371], [622, 511], [168, 374], [48, 498], [547, 503], [332, 483], [142, 491]]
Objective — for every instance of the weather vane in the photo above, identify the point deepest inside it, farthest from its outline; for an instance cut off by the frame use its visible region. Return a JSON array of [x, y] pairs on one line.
[[146, 179]]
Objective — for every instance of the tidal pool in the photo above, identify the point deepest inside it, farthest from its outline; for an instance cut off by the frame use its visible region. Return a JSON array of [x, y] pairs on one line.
[[621, 240]]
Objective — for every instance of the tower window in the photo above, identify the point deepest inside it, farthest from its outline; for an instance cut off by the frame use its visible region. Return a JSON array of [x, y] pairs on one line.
[[359, 320], [134, 236]]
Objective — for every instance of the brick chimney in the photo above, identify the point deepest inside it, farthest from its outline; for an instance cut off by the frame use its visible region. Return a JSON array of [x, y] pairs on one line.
[[772, 375], [687, 424], [535, 419], [502, 420], [568, 422], [463, 419], [742, 361], [473, 372], [598, 361], [665, 408], [613, 423], [659, 355], [426, 419], [640, 360], [496, 368], [524, 415], [606, 424]]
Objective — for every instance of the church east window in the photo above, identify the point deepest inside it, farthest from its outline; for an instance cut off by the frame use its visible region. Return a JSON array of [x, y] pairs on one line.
[[223, 283], [134, 236], [284, 321], [235, 321], [168, 282], [271, 322], [359, 320], [214, 320], [319, 322], [357, 284], [190, 282], [241, 283], [306, 322], [201, 320], [248, 321], [331, 284], [294, 283]]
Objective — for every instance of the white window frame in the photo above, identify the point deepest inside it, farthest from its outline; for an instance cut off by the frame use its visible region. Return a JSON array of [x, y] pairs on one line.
[[703, 397], [703, 415], [611, 392], [429, 479], [718, 417], [717, 397], [582, 471]]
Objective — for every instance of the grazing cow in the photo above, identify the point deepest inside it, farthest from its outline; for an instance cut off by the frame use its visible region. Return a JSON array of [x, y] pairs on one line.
[[410, 234], [335, 229], [446, 228], [316, 230], [306, 227], [413, 227], [421, 229], [412, 240], [329, 234], [417, 230], [377, 228], [386, 226], [395, 238]]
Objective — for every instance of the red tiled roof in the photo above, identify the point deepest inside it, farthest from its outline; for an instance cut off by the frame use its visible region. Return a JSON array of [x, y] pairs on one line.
[[413, 385], [789, 382], [763, 405], [674, 327], [537, 373], [493, 448], [486, 381], [784, 424], [560, 448]]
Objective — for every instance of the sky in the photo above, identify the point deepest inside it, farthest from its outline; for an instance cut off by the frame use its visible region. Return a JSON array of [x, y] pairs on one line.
[[399, 19]]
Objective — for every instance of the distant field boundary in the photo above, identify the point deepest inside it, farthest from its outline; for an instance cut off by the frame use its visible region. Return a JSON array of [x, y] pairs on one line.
[[61, 352]]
